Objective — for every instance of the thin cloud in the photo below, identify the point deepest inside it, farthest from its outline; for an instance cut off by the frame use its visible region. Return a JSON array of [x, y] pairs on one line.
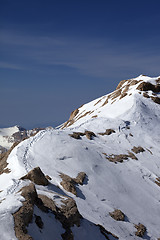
[[93, 57], [5, 65]]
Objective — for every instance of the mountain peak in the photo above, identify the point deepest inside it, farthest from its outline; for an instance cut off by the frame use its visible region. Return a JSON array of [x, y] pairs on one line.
[[118, 102]]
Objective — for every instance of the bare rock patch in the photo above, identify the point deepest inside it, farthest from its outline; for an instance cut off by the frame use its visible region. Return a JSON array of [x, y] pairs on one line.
[[141, 229], [69, 183], [90, 135], [107, 132], [36, 176], [117, 215], [137, 149]]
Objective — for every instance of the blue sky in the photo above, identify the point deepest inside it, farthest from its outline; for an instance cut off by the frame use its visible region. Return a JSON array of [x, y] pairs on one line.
[[57, 55]]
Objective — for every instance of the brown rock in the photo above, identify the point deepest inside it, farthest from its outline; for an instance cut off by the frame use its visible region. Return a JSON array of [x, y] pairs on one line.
[[77, 135], [121, 83], [156, 99], [117, 215], [36, 176], [141, 229], [69, 183], [70, 211], [25, 214], [117, 158], [90, 135], [80, 178], [157, 181], [146, 86], [146, 95], [107, 132], [137, 149]]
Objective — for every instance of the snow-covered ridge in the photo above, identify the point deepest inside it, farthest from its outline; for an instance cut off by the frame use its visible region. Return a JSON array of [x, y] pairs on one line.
[[117, 103], [120, 160]]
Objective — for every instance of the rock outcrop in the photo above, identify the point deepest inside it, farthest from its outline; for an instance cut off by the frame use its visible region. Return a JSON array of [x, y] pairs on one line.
[[36, 176], [69, 183], [117, 215]]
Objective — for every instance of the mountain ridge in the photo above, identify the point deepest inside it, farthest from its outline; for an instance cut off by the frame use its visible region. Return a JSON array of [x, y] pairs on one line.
[[119, 159]]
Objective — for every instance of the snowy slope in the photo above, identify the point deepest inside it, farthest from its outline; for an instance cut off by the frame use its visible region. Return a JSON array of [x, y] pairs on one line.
[[128, 185]]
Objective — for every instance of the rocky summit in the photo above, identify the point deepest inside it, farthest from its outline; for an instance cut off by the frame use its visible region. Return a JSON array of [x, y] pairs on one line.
[[95, 177]]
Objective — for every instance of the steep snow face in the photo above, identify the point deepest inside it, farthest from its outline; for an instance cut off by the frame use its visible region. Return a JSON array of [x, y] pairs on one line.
[[121, 165]]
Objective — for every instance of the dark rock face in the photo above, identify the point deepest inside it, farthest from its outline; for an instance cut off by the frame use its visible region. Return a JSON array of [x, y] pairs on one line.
[[70, 213], [141, 229], [69, 183], [146, 86], [36, 176], [24, 215], [67, 214], [117, 215], [38, 221]]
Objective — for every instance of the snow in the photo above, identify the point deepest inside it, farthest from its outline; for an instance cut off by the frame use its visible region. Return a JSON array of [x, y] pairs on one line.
[[128, 186], [6, 139]]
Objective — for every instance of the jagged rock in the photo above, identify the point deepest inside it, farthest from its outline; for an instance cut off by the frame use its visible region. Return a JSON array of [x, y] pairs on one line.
[[69, 183], [107, 132], [80, 178], [36, 176], [70, 211], [25, 214], [46, 203], [90, 135], [141, 229], [146, 86], [117, 215], [137, 149], [67, 214], [3, 159]]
